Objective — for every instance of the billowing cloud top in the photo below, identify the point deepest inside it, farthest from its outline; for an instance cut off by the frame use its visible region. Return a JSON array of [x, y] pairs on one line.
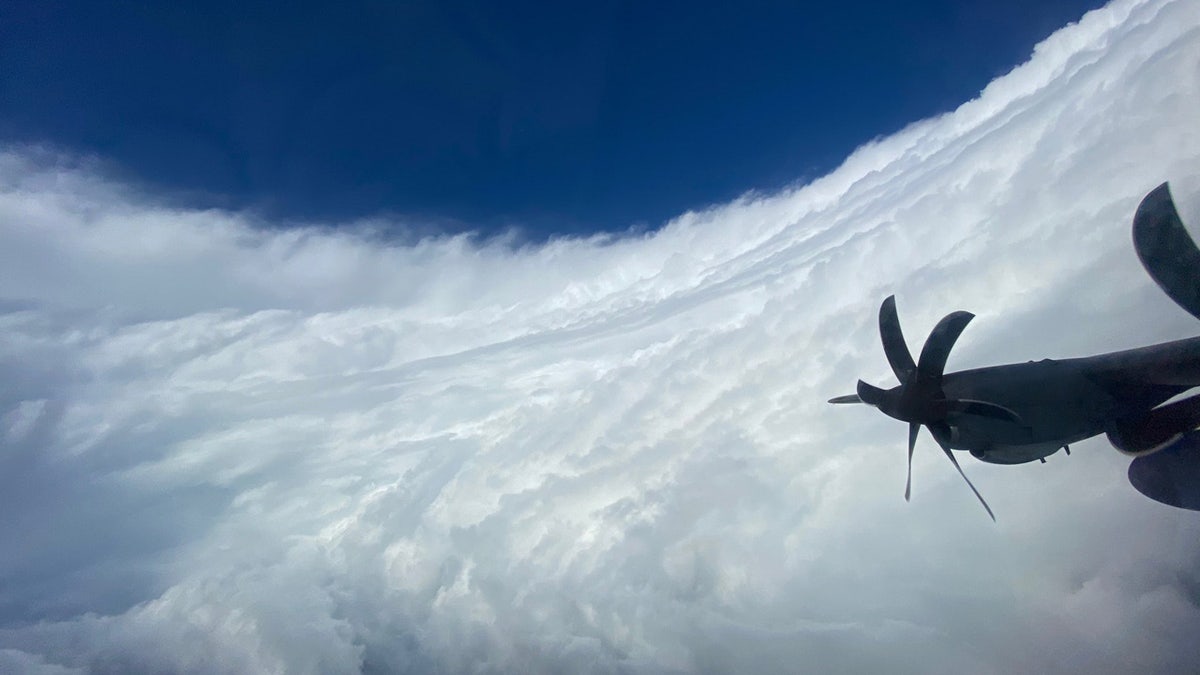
[[227, 446]]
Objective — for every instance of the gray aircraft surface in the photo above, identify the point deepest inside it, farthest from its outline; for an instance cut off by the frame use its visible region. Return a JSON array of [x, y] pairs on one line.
[[1021, 412]]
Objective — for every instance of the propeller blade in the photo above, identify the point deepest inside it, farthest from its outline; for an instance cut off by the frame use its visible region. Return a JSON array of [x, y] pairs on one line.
[[968, 406], [913, 429], [870, 394], [894, 346], [1166, 250], [848, 398], [941, 340], [941, 434]]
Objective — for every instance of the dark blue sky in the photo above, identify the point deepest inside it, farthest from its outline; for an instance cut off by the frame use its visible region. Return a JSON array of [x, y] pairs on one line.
[[560, 117]]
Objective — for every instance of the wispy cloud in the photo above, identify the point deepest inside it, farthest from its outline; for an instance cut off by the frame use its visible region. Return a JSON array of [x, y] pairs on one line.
[[227, 447]]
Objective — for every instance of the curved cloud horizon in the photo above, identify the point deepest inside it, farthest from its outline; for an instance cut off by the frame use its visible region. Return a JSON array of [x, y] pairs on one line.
[[229, 446]]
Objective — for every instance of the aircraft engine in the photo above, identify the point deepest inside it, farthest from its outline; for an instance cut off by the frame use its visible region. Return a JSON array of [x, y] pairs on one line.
[[919, 400]]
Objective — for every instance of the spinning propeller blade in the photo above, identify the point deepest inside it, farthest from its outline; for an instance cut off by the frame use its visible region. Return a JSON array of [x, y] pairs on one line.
[[941, 435], [1166, 249], [870, 394], [894, 346], [913, 430], [941, 340]]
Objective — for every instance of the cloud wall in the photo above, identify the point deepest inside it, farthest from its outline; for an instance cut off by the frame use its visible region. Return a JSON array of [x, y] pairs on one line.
[[228, 446]]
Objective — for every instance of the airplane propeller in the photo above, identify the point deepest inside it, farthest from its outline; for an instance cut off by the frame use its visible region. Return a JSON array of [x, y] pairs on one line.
[[919, 400], [1166, 249]]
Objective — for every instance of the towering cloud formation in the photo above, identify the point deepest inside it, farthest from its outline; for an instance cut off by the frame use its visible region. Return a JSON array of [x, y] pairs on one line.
[[231, 447]]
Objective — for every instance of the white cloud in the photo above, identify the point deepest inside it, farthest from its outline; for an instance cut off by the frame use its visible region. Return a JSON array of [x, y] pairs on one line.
[[233, 448]]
